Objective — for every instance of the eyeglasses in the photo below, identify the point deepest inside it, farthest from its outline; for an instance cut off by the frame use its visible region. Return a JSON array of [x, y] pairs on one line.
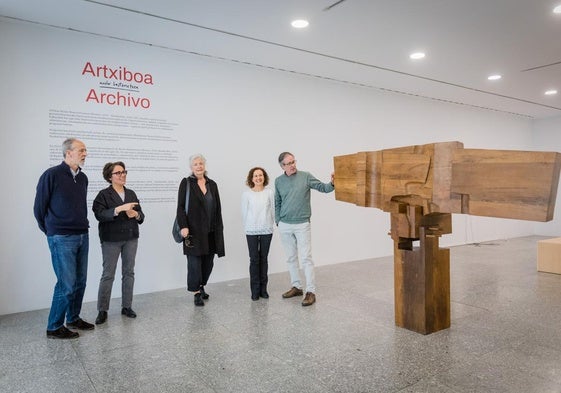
[[289, 163], [120, 173], [189, 241]]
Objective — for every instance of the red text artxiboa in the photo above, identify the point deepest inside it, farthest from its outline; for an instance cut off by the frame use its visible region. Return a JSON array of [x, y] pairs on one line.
[[120, 79]]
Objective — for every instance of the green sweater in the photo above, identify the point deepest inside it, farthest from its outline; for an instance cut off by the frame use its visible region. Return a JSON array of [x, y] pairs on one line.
[[292, 196]]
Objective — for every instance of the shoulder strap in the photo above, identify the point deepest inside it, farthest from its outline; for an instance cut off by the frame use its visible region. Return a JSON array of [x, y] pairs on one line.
[[187, 189]]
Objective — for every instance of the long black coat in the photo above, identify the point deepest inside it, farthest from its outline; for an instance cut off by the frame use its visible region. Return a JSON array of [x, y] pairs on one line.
[[197, 219]]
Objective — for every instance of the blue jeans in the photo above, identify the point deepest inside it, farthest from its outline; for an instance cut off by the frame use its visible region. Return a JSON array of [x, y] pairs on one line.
[[297, 242], [69, 255]]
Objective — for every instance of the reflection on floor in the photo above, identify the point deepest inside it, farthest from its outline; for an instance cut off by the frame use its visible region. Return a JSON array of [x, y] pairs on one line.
[[506, 319]]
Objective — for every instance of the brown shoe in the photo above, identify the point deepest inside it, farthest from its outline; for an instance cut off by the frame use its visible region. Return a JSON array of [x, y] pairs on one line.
[[292, 292], [309, 299]]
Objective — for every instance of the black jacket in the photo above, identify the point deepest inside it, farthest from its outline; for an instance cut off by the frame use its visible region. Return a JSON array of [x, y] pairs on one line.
[[120, 227], [197, 219]]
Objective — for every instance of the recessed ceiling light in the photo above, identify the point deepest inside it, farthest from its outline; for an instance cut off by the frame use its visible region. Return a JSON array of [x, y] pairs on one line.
[[417, 55], [300, 23], [551, 92], [495, 77], [557, 9]]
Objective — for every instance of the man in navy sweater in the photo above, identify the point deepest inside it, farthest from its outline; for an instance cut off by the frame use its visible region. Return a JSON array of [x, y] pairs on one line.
[[61, 212]]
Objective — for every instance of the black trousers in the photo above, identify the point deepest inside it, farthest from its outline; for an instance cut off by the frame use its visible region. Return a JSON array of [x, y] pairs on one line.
[[258, 246], [199, 268]]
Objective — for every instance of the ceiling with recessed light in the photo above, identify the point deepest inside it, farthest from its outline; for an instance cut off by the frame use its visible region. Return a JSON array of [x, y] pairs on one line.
[[363, 43]]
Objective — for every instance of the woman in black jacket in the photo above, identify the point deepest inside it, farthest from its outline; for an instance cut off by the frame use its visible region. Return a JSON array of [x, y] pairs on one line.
[[118, 211], [200, 220]]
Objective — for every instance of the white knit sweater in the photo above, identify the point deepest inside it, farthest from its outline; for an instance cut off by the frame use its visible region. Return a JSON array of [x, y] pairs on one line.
[[258, 211]]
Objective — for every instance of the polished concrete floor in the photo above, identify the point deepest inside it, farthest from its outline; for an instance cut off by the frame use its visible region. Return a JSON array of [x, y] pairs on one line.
[[505, 336]]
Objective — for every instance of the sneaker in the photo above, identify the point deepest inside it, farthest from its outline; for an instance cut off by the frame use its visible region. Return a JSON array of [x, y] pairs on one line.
[[309, 299], [292, 292], [128, 312], [198, 300], [80, 324], [62, 333]]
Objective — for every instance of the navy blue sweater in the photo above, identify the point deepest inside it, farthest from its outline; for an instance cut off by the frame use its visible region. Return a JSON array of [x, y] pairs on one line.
[[60, 202]]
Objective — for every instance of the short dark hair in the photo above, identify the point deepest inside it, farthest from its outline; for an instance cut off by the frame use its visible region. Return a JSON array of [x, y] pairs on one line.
[[249, 180], [108, 169]]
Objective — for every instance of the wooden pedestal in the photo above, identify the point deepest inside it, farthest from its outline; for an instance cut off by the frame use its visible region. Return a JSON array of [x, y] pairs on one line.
[[549, 255], [422, 275]]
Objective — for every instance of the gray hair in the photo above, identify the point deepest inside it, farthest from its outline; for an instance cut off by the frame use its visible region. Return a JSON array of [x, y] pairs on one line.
[[196, 156], [283, 155], [67, 145]]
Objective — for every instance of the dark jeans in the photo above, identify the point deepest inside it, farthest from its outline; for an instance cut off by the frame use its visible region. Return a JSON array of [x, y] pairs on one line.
[[258, 246], [69, 255], [199, 268]]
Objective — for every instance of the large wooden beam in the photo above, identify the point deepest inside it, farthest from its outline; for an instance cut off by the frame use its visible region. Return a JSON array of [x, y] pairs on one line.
[[507, 184], [450, 179]]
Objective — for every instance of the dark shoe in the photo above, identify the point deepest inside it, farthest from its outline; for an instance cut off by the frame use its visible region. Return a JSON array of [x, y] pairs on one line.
[[128, 312], [80, 324], [101, 317], [62, 333], [199, 300], [204, 295], [264, 295], [292, 292], [309, 299], [254, 297]]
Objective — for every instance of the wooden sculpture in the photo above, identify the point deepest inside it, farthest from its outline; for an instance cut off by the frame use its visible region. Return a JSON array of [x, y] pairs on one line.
[[420, 186]]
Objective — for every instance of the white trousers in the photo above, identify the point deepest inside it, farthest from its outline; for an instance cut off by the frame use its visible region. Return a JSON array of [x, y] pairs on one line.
[[297, 242]]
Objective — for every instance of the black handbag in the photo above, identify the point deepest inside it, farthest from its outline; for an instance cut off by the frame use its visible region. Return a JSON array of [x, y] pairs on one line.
[[176, 232]]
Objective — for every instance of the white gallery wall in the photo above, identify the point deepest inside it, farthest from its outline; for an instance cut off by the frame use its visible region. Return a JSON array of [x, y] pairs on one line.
[[238, 116]]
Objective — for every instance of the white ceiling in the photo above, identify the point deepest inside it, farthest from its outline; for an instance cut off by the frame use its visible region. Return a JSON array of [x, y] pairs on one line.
[[363, 42]]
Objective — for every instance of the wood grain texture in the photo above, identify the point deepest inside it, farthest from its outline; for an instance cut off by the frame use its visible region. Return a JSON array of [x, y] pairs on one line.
[[507, 184], [445, 177], [421, 186], [422, 285]]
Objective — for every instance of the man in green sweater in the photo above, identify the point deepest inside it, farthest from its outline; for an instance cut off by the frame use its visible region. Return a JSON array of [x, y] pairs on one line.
[[292, 215]]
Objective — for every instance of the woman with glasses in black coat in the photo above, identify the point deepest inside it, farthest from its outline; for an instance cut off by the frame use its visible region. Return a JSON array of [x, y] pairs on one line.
[[119, 213]]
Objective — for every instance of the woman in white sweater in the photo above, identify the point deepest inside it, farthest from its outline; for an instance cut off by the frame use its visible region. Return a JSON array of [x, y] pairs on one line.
[[258, 213]]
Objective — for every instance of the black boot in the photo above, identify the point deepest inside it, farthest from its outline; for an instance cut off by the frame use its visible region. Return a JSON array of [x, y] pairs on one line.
[[204, 295], [101, 317], [198, 300]]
